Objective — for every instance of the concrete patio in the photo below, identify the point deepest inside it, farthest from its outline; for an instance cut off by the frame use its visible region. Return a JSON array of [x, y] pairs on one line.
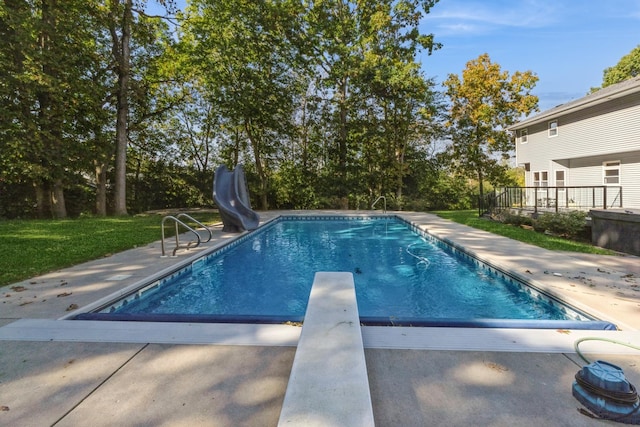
[[51, 374]]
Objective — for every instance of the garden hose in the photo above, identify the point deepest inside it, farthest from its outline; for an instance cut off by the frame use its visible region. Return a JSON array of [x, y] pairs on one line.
[[580, 340]]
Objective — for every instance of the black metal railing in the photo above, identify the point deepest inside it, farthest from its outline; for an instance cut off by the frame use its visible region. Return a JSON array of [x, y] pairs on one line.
[[555, 199]]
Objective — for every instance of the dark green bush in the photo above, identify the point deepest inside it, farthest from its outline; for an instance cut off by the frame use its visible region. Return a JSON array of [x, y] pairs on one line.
[[507, 217], [518, 220], [569, 224]]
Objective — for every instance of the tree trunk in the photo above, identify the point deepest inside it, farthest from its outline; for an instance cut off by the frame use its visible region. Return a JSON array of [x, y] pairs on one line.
[[49, 116], [101, 188], [264, 202], [58, 207], [123, 56], [42, 202]]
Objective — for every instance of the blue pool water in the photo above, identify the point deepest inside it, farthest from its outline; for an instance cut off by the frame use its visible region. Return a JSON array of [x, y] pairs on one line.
[[399, 275]]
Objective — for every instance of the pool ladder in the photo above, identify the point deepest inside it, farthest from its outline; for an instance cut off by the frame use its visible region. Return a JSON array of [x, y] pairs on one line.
[[384, 199], [192, 244]]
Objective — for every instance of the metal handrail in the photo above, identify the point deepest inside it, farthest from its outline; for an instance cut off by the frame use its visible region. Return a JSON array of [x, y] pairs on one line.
[[555, 198], [373, 205], [190, 218], [177, 221]]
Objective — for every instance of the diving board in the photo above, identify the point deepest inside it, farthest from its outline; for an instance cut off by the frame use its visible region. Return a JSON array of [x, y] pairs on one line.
[[328, 385]]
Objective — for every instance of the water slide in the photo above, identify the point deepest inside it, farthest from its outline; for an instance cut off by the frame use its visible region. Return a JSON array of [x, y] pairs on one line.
[[232, 197]]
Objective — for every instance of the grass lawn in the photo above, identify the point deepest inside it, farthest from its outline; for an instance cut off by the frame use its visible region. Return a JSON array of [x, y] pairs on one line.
[[29, 248], [554, 243]]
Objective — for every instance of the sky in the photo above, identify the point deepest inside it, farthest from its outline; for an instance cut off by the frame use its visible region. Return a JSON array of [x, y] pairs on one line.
[[566, 43]]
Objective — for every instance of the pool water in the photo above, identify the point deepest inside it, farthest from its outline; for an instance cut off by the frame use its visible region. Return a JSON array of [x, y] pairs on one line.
[[398, 274]]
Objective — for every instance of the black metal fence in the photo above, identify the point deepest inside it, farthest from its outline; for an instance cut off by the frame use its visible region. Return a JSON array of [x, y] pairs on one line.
[[552, 199]]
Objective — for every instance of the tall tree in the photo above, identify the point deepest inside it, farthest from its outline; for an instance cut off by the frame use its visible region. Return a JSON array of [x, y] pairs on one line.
[[483, 103], [120, 28], [19, 149], [241, 50], [348, 39], [48, 57], [122, 18]]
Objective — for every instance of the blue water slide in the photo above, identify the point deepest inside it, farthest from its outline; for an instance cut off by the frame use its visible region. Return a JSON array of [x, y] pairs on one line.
[[232, 197]]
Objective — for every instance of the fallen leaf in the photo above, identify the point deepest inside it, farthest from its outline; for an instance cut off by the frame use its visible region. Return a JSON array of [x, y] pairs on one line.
[[64, 294], [18, 288], [4, 408], [72, 307], [496, 367], [563, 331]]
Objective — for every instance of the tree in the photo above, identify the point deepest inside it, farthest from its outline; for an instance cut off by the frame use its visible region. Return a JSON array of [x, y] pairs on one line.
[[121, 22], [483, 103], [45, 65], [359, 49], [627, 68], [247, 67]]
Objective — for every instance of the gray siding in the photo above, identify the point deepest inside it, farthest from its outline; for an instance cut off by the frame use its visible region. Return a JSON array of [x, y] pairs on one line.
[[630, 180], [587, 138]]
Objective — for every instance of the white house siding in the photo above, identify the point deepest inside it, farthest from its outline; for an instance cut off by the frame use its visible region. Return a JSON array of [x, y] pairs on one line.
[[630, 180], [587, 138]]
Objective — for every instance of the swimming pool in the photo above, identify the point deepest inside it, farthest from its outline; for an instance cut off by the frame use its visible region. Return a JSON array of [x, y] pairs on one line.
[[403, 276]]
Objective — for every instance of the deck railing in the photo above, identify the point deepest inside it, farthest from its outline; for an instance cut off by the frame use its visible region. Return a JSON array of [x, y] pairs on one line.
[[554, 199]]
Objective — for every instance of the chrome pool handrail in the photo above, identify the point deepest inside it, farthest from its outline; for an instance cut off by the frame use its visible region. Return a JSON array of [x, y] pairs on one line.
[[373, 205], [189, 245]]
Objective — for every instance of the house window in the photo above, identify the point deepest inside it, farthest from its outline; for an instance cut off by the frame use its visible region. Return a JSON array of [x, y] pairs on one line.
[[611, 172], [541, 179], [523, 136], [553, 128], [560, 178]]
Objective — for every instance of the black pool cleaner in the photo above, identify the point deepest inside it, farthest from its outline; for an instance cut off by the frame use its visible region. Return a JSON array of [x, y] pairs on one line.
[[605, 391]]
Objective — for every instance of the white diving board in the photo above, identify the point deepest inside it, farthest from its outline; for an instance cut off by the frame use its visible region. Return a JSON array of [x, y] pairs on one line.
[[328, 385]]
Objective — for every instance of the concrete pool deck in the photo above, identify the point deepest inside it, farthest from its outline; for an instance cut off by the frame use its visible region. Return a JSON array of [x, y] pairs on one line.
[[456, 377]]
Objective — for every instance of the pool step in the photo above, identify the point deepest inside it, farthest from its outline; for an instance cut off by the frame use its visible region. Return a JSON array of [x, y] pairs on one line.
[[328, 385]]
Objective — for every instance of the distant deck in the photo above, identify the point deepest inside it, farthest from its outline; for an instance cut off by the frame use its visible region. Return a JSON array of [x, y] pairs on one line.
[[552, 199]]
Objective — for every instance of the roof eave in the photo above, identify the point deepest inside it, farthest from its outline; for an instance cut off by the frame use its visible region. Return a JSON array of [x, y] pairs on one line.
[[588, 101]]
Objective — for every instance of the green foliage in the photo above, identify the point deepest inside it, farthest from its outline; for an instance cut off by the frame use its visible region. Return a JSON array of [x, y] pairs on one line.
[[323, 102], [571, 224], [294, 188], [507, 217], [627, 68]]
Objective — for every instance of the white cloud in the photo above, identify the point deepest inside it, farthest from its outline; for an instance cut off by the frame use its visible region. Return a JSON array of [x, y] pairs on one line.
[[473, 16]]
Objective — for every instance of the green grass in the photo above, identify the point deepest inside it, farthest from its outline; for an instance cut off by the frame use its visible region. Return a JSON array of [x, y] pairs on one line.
[[29, 248], [554, 243]]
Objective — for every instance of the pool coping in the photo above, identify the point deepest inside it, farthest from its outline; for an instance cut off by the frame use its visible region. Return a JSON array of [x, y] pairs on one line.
[[374, 337]]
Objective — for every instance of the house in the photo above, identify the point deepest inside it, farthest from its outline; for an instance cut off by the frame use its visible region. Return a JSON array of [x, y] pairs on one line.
[[592, 141]]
